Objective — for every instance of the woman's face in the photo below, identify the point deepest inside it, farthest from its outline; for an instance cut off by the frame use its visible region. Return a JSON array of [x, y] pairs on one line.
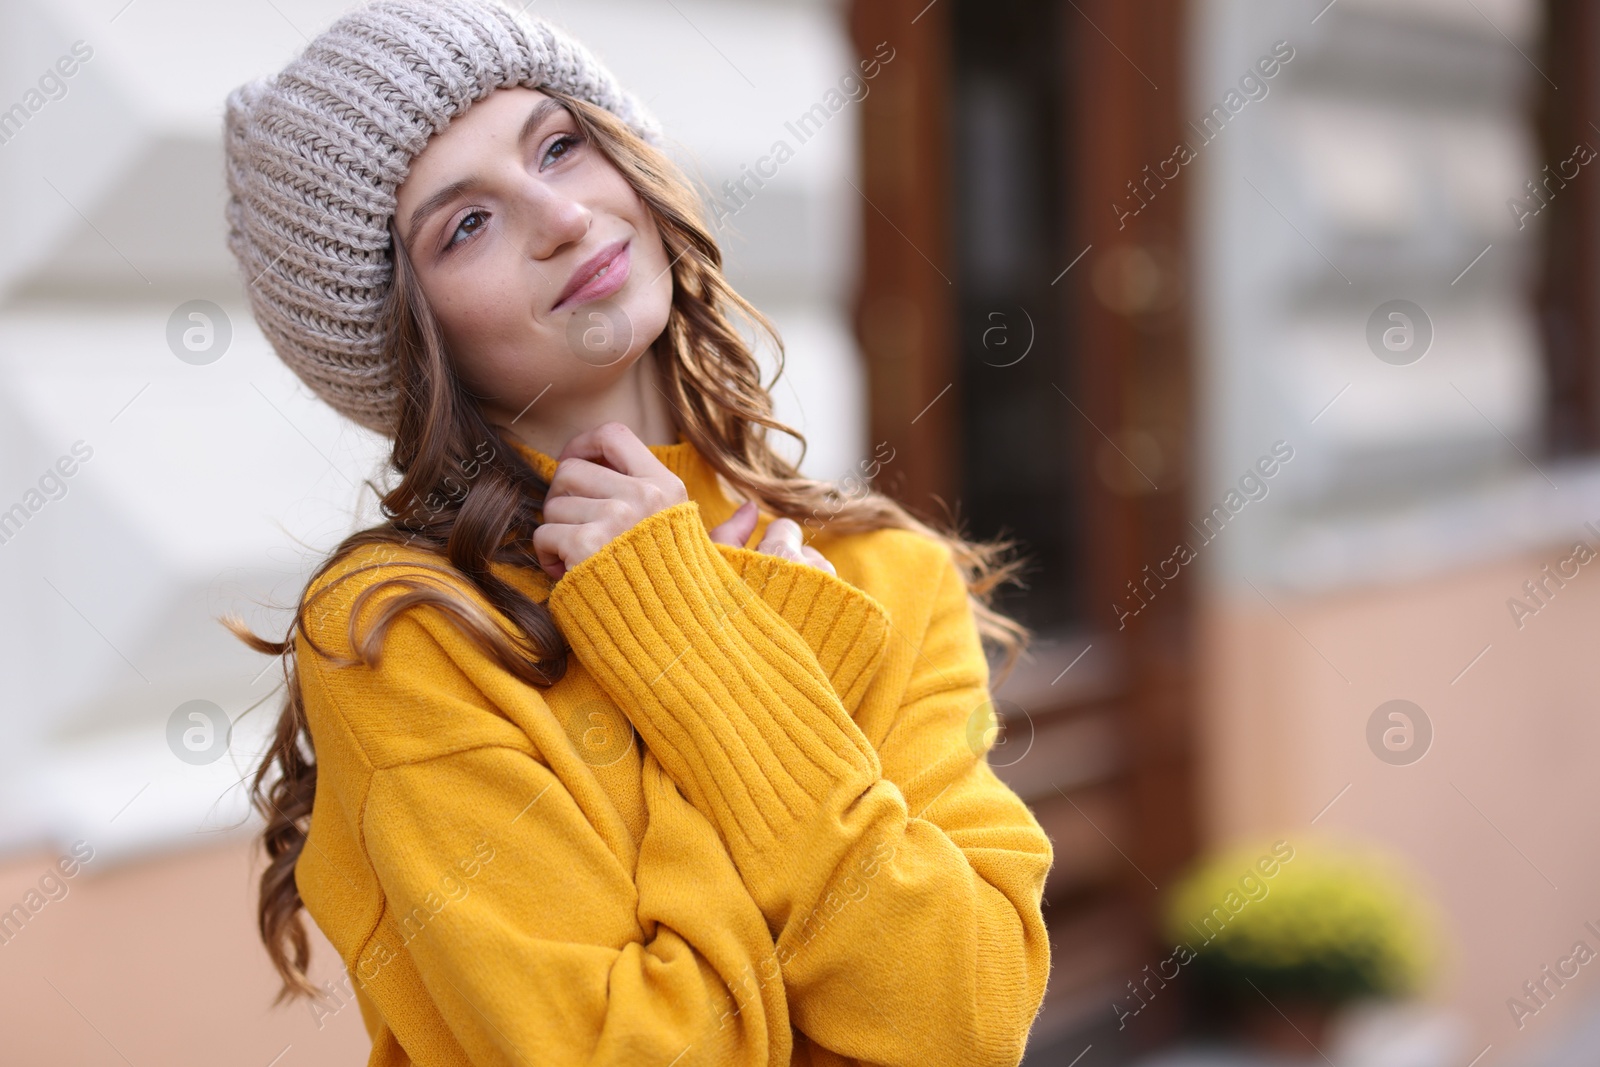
[[541, 264]]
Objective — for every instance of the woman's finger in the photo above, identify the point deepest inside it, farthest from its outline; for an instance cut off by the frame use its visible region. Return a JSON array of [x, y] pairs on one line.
[[782, 538], [547, 539], [615, 445], [577, 510], [817, 559], [737, 530], [581, 477]]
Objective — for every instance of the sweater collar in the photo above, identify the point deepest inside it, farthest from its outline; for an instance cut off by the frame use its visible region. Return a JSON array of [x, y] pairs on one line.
[[682, 458]]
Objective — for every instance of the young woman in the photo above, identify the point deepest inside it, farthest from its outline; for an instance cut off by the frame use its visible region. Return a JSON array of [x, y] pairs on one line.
[[567, 773]]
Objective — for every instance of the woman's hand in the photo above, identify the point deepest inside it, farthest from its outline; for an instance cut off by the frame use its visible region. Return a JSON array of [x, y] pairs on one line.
[[606, 481], [782, 537]]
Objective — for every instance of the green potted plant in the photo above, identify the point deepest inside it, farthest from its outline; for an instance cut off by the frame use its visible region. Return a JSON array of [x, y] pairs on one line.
[[1281, 936]]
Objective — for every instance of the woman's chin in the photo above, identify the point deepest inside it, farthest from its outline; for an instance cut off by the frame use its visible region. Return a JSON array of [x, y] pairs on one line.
[[610, 332]]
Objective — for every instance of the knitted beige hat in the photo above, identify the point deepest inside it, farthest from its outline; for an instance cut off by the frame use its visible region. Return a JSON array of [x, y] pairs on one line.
[[315, 153]]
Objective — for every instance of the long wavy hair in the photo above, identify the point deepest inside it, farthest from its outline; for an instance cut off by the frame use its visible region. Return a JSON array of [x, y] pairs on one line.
[[710, 376]]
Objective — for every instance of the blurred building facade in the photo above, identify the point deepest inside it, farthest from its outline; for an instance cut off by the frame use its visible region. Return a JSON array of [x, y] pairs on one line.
[[1309, 290], [1119, 279]]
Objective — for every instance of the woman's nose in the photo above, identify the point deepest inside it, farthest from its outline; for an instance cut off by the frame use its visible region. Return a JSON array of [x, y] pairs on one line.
[[557, 219]]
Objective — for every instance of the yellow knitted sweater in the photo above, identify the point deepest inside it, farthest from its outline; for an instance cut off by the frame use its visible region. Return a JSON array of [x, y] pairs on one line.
[[753, 824]]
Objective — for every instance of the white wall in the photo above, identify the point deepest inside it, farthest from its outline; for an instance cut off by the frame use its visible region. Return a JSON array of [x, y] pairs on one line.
[[1377, 168]]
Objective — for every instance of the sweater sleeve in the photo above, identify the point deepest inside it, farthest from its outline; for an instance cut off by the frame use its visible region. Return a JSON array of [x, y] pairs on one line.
[[905, 934], [510, 933]]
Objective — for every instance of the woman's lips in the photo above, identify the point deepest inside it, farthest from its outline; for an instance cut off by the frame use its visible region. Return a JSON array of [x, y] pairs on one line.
[[599, 276]]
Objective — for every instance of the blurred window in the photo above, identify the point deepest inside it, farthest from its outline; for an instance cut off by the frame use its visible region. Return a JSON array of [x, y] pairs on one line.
[[1010, 225]]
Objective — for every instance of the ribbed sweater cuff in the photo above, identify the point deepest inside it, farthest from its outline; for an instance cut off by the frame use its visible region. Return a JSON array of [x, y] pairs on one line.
[[738, 703], [844, 627]]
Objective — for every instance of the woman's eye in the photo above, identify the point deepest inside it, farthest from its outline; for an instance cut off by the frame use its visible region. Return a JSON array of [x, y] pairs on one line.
[[561, 146], [467, 228]]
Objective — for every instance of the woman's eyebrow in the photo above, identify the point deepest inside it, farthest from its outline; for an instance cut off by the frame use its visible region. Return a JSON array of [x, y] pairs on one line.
[[536, 118]]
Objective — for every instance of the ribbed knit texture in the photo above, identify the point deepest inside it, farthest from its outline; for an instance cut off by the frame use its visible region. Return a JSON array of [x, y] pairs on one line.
[[748, 826], [315, 153]]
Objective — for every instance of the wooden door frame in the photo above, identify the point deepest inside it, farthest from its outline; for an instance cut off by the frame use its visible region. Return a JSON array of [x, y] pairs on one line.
[[1125, 106], [1570, 242]]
